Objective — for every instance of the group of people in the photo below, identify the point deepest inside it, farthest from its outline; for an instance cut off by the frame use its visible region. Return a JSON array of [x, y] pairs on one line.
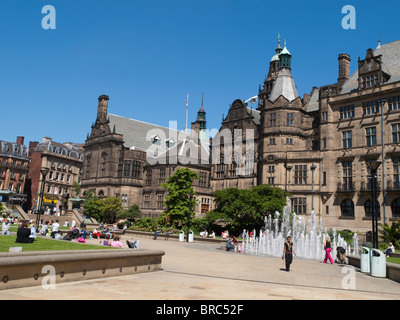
[[102, 231], [108, 241], [27, 232], [205, 234]]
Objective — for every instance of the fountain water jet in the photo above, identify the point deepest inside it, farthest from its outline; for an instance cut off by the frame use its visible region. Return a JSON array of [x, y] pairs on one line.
[[308, 240]]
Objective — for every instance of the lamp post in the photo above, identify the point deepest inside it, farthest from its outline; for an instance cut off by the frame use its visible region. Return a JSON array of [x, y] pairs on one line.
[[373, 165], [313, 167], [382, 102], [288, 168], [189, 214], [44, 172]]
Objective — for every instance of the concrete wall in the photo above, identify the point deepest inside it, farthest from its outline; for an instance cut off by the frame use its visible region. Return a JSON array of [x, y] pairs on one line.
[[25, 269]]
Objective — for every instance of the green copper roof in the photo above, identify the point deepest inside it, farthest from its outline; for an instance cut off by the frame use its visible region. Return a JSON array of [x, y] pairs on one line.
[[275, 58]]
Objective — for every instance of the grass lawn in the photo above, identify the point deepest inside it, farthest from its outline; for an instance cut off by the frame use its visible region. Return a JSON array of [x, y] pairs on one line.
[[45, 244], [393, 260]]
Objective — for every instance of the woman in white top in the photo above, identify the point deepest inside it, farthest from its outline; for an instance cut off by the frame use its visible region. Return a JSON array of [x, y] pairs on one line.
[[5, 230]]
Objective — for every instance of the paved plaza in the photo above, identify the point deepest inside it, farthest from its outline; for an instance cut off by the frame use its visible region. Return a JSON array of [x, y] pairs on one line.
[[203, 271]]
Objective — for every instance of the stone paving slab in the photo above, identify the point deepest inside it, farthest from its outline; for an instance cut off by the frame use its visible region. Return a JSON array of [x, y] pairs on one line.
[[202, 271]]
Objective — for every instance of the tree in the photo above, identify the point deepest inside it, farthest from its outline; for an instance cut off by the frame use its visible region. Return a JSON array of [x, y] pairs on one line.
[[108, 209], [76, 189], [104, 210], [390, 233], [91, 205], [130, 214], [239, 209], [180, 200]]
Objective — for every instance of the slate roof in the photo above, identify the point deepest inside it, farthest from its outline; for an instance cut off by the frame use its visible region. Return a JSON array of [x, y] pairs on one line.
[[66, 149], [139, 135], [255, 113], [185, 152], [284, 86], [391, 64], [313, 104], [12, 149]]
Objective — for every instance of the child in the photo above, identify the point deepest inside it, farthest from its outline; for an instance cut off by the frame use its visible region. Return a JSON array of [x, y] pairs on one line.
[[107, 241]]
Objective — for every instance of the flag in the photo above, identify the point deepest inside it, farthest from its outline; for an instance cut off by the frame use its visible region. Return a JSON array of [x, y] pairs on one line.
[[187, 102]]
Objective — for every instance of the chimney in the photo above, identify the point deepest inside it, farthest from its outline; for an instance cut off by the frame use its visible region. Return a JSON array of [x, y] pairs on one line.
[[20, 140], [102, 107], [46, 139], [344, 68]]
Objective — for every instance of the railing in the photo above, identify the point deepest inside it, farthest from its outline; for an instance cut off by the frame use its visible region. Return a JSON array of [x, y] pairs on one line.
[[393, 185], [346, 187], [366, 186]]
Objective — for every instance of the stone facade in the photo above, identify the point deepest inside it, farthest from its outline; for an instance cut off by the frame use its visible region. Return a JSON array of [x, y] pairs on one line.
[[63, 163], [13, 171], [129, 159], [315, 147]]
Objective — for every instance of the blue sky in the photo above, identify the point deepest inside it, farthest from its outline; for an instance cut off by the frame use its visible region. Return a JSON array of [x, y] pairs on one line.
[[147, 55]]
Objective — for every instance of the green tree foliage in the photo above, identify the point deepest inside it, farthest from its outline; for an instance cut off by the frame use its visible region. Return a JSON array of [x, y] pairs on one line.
[[76, 189], [238, 209], [104, 210], [109, 207], [130, 214], [390, 233], [91, 205], [180, 200]]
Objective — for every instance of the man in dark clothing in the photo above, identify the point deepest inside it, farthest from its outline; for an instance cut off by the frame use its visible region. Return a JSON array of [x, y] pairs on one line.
[[288, 253], [23, 234], [230, 245]]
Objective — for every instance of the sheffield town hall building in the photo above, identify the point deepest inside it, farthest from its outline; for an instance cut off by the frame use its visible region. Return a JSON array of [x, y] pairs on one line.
[[316, 146]]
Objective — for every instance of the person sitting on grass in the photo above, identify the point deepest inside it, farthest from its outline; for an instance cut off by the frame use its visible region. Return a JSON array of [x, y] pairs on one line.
[[68, 236], [44, 229], [33, 230], [116, 243], [107, 241], [23, 234], [6, 227]]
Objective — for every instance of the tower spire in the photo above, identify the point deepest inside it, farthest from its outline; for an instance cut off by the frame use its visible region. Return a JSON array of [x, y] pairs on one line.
[[202, 99]]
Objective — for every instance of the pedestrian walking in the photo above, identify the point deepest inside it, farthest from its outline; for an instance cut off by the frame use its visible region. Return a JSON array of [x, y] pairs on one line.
[[328, 249], [288, 253]]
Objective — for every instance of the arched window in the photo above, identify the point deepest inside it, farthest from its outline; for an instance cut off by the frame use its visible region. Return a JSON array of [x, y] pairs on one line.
[[396, 208], [347, 208], [368, 208]]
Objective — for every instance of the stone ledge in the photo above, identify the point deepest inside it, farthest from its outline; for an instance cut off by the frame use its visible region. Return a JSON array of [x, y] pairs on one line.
[[25, 269]]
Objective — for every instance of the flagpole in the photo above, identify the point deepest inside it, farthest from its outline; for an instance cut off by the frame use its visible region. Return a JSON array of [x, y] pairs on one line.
[[187, 108]]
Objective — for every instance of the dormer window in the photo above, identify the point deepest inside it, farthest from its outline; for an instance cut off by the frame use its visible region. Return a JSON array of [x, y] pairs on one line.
[[169, 142], [370, 81], [155, 139]]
